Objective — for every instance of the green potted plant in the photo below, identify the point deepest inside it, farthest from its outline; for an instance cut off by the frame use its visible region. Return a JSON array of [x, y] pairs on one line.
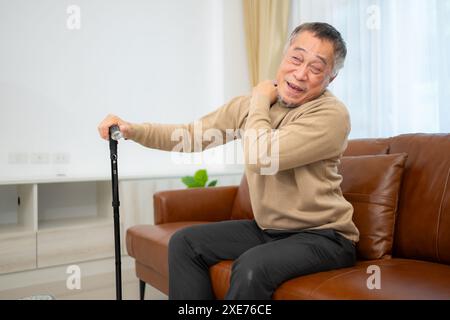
[[198, 180]]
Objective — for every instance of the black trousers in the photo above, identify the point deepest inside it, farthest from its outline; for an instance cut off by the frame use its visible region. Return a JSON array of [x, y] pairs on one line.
[[263, 259]]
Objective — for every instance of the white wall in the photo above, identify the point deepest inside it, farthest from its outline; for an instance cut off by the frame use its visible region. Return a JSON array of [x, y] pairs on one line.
[[167, 61]]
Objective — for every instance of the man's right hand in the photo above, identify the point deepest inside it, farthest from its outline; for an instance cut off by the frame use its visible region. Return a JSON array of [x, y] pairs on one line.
[[110, 120]]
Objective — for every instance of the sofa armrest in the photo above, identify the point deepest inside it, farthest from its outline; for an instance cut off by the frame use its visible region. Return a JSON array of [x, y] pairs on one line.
[[195, 204]]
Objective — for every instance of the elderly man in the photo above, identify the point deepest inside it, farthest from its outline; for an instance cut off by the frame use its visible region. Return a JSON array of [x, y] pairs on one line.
[[302, 222]]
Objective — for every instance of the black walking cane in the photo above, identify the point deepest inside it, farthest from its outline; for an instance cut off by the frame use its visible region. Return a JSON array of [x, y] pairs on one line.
[[114, 136]]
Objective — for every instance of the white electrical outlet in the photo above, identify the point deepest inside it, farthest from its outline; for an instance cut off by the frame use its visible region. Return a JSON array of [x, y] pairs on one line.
[[61, 158], [39, 158], [18, 158]]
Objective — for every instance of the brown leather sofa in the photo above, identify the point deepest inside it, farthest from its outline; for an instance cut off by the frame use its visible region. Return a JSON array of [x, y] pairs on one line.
[[402, 210]]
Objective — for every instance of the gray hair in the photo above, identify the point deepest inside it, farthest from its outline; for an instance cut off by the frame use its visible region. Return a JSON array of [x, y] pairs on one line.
[[324, 31]]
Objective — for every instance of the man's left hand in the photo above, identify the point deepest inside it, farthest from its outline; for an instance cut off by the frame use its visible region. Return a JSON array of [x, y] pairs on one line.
[[266, 88]]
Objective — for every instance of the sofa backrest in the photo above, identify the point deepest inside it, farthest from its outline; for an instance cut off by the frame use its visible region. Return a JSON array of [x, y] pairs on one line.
[[242, 208], [423, 217], [423, 214], [363, 147]]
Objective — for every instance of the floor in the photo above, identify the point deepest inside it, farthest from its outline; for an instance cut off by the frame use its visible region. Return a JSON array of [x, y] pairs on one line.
[[95, 287]]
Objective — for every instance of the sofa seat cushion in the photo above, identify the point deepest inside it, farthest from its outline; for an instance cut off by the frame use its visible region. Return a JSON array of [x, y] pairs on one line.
[[400, 279], [148, 244]]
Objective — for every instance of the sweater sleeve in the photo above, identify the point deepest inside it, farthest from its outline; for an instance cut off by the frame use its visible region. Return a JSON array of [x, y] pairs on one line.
[[318, 134], [215, 128]]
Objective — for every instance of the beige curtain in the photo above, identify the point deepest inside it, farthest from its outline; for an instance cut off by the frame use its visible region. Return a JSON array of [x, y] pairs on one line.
[[266, 24]]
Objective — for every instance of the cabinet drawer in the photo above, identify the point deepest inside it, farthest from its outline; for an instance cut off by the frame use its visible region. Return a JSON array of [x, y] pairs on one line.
[[17, 252], [69, 245]]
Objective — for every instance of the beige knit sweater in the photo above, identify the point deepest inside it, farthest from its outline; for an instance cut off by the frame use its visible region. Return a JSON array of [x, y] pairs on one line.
[[304, 193]]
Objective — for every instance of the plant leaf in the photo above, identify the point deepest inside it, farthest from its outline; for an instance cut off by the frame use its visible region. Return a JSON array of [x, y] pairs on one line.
[[212, 183], [190, 182], [201, 176]]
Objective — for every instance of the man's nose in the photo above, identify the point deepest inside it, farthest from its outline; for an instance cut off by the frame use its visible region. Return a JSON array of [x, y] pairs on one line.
[[300, 73]]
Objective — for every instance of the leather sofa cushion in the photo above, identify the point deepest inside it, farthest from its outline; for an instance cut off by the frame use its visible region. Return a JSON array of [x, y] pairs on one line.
[[399, 279], [148, 244], [371, 184]]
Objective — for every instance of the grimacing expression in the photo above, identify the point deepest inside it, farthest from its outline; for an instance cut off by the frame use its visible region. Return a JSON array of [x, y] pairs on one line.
[[306, 69]]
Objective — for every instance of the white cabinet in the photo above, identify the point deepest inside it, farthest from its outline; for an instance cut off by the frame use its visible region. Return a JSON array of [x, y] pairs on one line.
[[51, 223], [18, 223], [66, 245], [18, 208], [17, 252], [48, 223]]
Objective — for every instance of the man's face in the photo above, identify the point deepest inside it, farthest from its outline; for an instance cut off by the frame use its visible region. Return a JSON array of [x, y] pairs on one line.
[[306, 69]]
